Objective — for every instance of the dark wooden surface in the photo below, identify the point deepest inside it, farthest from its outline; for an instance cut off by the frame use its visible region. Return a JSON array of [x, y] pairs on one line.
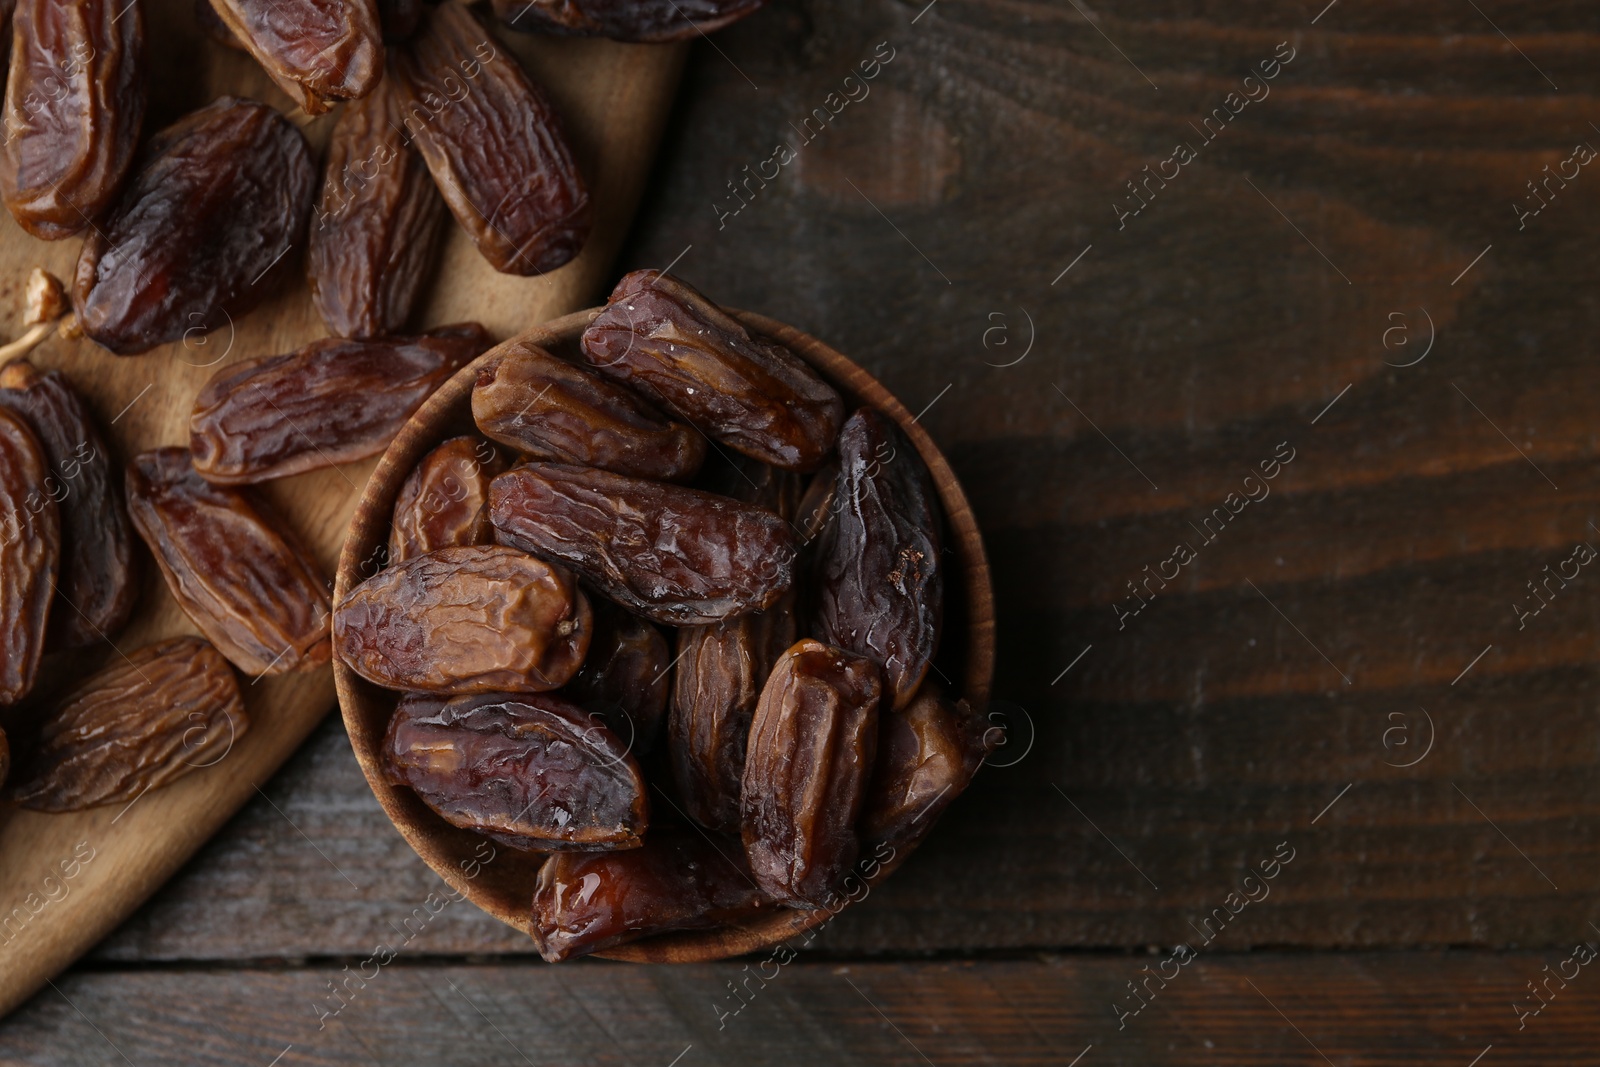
[[1295, 663]]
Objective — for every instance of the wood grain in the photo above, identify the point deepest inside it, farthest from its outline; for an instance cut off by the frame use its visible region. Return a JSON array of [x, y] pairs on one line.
[[614, 97]]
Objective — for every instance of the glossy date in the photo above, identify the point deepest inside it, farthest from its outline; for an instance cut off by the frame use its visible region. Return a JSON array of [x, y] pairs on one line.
[[317, 51], [927, 755], [246, 582], [674, 555], [625, 677], [466, 620], [532, 771], [30, 555], [331, 402], [444, 501]]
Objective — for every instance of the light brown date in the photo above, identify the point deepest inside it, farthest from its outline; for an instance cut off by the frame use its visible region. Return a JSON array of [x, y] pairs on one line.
[[673, 555], [532, 771], [466, 620], [75, 100], [495, 145], [927, 755], [377, 225], [548, 408], [811, 751], [664, 339], [625, 677], [99, 582], [444, 502], [245, 581], [142, 723], [331, 402], [30, 554], [317, 51], [679, 880], [880, 575]]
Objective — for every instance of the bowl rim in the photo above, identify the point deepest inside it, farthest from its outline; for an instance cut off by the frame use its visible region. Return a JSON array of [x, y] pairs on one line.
[[369, 528]]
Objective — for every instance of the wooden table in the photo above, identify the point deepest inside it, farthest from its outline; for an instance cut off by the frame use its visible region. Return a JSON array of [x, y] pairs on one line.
[[1377, 661]]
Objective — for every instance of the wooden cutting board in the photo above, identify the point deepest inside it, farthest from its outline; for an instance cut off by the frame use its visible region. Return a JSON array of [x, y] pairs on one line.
[[67, 880]]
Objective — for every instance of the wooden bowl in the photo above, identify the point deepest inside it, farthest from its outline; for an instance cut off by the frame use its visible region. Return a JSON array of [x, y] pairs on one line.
[[503, 886]]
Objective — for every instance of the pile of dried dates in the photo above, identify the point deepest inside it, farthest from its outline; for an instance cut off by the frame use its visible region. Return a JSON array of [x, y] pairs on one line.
[[669, 620]]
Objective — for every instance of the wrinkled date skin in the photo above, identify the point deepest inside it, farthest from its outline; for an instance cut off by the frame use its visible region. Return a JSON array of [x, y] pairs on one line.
[[673, 555], [444, 502], [246, 582], [678, 881], [75, 99], [624, 20], [145, 721], [721, 669], [625, 677], [477, 619], [532, 771], [662, 338], [548, 408], [377, 224], [30, 555], [317, 51], [494, 144], [99, 582], [880, 576], [331, 402], [812, 746], [927, 755], [221, 198]]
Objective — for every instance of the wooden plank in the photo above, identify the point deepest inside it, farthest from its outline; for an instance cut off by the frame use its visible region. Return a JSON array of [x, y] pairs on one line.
[[1384, 1010]]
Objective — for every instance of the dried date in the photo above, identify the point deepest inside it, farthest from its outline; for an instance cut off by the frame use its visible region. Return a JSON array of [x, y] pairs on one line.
[[142, 723], [222, 196], [245, 582], [679, 880], [494, 144], [664, 339], [377, 224], [927, 755], [624, 20], [331, 402], [625, 677], [99, 584], [811, 752], [548, 408], [673, 555], [75, 100], [444, 502], [317, 51], [466, 620], [880, 576], [532, 771], [30, 555]]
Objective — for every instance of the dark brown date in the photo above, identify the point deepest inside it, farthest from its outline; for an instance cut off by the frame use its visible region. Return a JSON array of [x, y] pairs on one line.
[[667, 341], [99, 582], [30, 555], [246, 582], [494, 144], [477, 619], [625, 677], [317, 51], [191, 245], [927, 755], [331, 402], [673, 555], [624, 20], [532, 771], [444, 502], [880, 577], [377, 225], [548, 408], [145, 721], [721, 669], [678, 881], [812, 746], [75, 100]]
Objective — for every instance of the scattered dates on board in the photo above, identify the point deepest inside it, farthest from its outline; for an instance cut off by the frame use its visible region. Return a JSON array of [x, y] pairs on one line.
[[667, 623]]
